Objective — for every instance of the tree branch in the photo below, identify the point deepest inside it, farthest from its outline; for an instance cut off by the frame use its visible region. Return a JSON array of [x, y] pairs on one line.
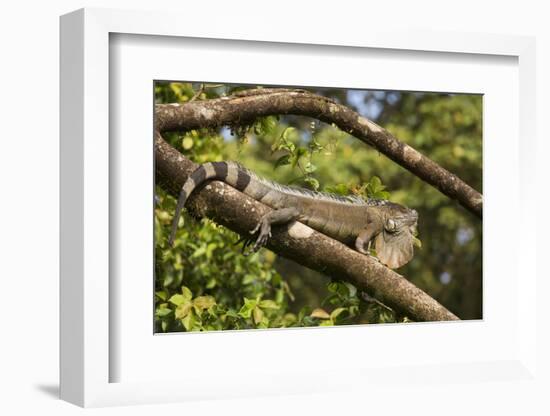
[[244, 107], [240, 213]]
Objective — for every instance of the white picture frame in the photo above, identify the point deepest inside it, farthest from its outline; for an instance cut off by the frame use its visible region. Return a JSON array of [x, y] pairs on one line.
[[86, 348]]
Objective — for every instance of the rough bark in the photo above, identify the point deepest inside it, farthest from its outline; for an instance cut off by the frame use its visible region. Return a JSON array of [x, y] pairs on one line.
[[244, 107], [240, 213]]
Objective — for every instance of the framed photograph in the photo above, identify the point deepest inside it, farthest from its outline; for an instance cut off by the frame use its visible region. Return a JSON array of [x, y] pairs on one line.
[[284, 213]]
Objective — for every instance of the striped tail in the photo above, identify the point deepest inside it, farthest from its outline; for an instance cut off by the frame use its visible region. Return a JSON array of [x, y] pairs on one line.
[[229, 172]]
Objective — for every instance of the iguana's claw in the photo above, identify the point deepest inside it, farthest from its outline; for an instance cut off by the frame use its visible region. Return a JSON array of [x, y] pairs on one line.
[[362, 250], [258, 244], [265, 234], [256, 228], [262, 239], [367, 252], [374, 258]]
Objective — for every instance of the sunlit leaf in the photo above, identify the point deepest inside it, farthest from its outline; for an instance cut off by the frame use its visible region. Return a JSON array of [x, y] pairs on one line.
[[268, 304], [189, 321], [336, 312], [320, 314], [310, 167], [162, 295], [204, 302], [183, 310], [352, 290], [187, 143], [286, 133], [162, 312], [177, 299], [186, 292], [258, 315], [246, 309]]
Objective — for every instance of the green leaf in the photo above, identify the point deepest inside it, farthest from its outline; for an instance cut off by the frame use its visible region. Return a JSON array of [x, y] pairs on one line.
[[264, 323], [331, 299], [268, 304], [158, 232], [265, 125], [375, 189], [340, 189], [168, 279], [336, 312], [245, 312], [186, 292], [289, 319], [320, 314], [162, 295], [300, 152], [286, 133], [312, 182], [204, 302], [177, 299], [315, 146], [246, 309], [199, 252], [304, 312], [248, 279], [187, 143], [258, 315], [333, 287], [210, 249], [232, 314], [343, 289], [189, 321], [282, 161], [310, 167], [163, 311], [183, 310], [352, 290], [376, 184], [382, 195]]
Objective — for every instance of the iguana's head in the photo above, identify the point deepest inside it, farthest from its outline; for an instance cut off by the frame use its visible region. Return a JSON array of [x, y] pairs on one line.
[[394, 245]]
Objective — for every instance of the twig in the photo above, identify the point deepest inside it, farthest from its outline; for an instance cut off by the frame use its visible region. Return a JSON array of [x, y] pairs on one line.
[[198, 93]]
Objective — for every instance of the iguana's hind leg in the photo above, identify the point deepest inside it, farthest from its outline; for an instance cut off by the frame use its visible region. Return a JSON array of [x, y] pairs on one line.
[[276, 217]]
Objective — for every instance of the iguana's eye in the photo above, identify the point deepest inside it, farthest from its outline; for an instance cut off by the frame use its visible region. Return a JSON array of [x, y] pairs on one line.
[[391, 225]]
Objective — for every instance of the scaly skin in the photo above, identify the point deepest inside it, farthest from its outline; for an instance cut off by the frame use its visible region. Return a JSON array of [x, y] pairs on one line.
[[352, 220]]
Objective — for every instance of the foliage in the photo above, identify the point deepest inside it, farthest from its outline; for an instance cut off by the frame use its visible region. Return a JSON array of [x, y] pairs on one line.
[[205, 283]]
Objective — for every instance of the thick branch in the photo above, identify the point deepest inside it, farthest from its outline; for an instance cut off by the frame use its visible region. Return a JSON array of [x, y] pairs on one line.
[[245, 106], [298, 242]]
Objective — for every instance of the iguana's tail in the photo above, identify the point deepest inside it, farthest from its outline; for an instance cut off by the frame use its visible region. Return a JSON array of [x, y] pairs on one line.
[[228, 172]]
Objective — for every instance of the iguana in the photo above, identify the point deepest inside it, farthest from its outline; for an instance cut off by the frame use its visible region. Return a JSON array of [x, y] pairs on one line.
[[349, 219]]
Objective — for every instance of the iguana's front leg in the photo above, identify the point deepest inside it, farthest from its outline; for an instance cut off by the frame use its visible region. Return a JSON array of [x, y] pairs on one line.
[[365, 236], [276, 217]]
